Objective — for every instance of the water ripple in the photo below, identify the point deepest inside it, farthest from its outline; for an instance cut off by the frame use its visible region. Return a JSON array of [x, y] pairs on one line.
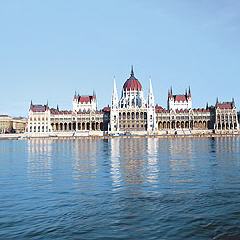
[[120, 189]]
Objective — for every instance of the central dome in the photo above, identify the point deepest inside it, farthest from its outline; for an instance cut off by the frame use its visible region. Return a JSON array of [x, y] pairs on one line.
[[132, 83]]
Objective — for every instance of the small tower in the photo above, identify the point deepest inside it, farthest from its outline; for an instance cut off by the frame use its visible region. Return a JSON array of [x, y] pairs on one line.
[[114, 96], [189, 92], [114, 119], [151, 114], [170, 101]]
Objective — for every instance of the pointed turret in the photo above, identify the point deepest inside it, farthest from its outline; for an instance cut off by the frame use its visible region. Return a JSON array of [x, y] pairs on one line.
[[31, 105], [189, 92], [150, 86], [57, 108], [132, 72], [114, 95], [207, 106], [150, 95], [151, 114], [170, 92]]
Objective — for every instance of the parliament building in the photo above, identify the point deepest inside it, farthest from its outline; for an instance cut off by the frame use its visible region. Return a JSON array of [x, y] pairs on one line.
[[132, 113]]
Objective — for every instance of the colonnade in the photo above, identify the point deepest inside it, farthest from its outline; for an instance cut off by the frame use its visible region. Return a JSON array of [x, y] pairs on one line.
[[77, 126], [183, 124], [226, 122]]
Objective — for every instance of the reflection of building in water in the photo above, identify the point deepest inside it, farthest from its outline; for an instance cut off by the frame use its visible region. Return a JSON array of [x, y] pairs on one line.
[[85, 159], [180, 155], [132, 154], [40, 159], [115, 161], [152, 159], [226, 148]]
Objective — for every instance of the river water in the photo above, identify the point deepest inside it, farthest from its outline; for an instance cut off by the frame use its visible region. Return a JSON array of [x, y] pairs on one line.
[[119, 188]]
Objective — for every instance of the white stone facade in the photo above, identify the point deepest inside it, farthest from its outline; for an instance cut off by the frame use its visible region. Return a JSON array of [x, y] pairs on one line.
[[132, 112], [179, 102], [39, 119], [84, 103]]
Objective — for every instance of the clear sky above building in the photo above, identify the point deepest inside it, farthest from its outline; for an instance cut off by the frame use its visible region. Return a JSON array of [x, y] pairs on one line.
[[49, 49]]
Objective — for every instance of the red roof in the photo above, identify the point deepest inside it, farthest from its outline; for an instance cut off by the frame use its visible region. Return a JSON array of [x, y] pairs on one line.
[[85, 99], [132, 83], [201, 110], [106, 109], [179, 98], [182, 111], [225, 105], [38, 108], [57, 112], [159, 109]]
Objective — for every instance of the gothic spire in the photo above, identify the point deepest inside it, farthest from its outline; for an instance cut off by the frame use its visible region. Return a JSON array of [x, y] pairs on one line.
[[114, 95], [31, 104], [189, 91], [132, 72], [150, 95], [150, 86]]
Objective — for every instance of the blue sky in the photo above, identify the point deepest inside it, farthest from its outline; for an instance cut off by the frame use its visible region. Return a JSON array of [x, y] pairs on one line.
[[49, 49]]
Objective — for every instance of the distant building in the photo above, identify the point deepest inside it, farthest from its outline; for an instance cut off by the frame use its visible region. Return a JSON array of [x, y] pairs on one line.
[[19, 124], [12, 125], [5, 124]]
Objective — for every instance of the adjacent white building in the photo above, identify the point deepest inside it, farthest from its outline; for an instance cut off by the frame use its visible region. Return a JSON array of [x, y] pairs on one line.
[[39, 119]]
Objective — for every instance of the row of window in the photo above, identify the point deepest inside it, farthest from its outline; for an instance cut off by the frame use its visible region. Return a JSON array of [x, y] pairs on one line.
[[38, 119], [131, 126], [38, 129], [132, 115]]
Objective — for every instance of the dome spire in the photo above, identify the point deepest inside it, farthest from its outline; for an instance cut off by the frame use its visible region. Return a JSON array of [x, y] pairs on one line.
[[132, 72]]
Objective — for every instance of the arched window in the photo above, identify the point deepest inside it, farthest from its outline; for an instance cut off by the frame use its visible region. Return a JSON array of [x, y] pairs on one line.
[[133, 115], [137, 115]]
